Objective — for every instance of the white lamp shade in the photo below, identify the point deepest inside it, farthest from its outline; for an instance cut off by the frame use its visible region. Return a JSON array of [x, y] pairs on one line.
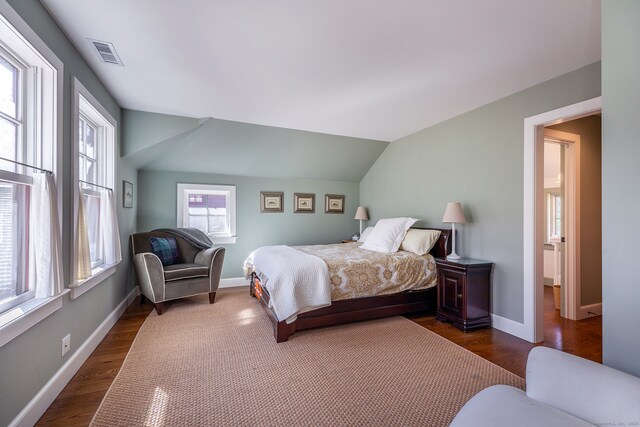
[[361, 214], [454, 213]]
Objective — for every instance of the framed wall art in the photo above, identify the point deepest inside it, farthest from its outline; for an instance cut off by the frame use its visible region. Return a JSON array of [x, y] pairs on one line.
[[271, 201], [334, 203], [304, 203], [127, 194]]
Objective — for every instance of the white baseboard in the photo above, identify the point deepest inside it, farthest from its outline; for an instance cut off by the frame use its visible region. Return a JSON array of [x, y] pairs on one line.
[[510, 326], [233, 282], [39, 404], [590, 310]]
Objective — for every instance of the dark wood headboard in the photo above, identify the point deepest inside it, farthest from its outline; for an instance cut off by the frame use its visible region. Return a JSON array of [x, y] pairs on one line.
[[442, 248]]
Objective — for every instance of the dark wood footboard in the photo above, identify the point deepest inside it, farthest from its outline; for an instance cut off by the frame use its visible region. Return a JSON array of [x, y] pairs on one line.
[[346, 311]]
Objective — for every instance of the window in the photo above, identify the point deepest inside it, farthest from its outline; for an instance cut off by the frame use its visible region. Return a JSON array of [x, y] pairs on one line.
[[210, 208], [14, 255], [95, 155], [14, 190], [92, 163], [554, 216], [28, 135]]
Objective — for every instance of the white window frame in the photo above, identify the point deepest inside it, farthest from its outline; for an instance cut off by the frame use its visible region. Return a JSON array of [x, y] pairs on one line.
[[183, 191], [43, 142], [85, 104], [21, 175], [24, 76], [99, 144]]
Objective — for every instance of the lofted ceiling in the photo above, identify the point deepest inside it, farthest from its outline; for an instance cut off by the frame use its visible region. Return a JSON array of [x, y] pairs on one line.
[[155, 141], [378, 69]]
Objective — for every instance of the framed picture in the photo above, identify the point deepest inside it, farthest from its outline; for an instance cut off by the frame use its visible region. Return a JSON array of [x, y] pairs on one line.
[[333, 203], [271, 201], [127, 194], [304, 203]]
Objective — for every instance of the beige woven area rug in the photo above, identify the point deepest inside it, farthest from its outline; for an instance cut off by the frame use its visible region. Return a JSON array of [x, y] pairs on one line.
[[201, 364]]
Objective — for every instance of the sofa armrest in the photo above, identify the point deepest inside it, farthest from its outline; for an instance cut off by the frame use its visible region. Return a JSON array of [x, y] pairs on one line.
[[212, 257], [588, 390], [506, 406], [150, 274]]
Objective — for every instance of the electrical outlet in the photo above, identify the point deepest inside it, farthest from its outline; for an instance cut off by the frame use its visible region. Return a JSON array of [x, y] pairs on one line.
[[66, 344]]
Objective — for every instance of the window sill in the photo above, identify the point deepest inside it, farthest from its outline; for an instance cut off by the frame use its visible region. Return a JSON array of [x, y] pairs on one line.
[[17, 320], [224, 240], [100, 274]]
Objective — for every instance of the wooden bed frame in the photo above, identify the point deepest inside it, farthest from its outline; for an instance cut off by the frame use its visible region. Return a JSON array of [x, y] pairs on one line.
[[357, 309]]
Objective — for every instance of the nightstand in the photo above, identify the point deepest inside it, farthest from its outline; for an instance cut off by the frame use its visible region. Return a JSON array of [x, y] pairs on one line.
[[464, 292]]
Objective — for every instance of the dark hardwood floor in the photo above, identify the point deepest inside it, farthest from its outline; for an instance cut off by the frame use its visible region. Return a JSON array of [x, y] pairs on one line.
[[80, 399], [582, 338]]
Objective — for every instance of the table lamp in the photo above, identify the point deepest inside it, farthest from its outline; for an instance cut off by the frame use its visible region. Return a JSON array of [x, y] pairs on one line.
[[454, 215], [361, 214]]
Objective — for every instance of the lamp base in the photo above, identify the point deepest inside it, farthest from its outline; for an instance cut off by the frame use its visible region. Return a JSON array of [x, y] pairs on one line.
[[453, 256]]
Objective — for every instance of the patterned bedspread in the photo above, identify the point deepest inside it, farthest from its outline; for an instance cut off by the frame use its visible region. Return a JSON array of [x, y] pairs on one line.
[[356, 273]]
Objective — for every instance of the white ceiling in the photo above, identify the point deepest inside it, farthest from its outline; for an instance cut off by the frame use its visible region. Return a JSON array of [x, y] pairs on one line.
[[377, 69]]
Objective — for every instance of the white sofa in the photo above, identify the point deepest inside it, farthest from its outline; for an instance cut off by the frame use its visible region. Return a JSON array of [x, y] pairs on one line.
[[562, 390]]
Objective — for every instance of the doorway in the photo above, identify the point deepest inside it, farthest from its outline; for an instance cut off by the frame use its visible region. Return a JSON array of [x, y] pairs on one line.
[[534, 215], [555, 213], [561, 211]]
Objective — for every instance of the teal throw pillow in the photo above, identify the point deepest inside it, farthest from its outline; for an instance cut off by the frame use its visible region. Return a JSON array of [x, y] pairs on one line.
[[165, 248]]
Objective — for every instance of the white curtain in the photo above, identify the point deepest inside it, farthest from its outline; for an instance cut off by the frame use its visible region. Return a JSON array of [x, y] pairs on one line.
[[83, 251], [92, 203], [47, 245], [110, 230]]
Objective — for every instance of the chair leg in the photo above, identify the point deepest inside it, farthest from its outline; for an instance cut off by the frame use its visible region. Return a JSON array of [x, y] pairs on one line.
[[212, 297], [143, 299], [159, 306]]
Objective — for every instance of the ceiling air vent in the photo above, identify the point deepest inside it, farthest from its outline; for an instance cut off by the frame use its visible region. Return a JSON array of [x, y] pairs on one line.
[[107, 52]]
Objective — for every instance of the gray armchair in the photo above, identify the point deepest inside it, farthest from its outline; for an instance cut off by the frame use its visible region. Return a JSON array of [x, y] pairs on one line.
[[198, 273]]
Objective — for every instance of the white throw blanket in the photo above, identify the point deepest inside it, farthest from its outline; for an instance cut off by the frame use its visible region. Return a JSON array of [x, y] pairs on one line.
[[297, 282]]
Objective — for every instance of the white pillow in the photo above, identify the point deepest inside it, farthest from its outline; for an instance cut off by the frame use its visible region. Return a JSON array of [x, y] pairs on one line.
[[420, 241], [387, 235], [364, 235]]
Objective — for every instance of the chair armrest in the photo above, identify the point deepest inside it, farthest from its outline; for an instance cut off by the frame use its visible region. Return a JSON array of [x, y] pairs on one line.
[[588, 390], [205, 256], [212, 257], [150, 274]]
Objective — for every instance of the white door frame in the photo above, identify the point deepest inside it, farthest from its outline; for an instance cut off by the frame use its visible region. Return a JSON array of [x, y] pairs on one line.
[[570, 301], [533, 226]]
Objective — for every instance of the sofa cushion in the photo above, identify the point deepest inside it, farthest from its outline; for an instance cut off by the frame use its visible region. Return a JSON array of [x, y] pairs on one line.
[[165, 248], [185, 271], [502, 405]]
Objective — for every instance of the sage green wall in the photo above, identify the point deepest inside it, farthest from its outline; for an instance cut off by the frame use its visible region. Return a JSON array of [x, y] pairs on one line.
[[620, 179], [172, 149], [142, 130], [157, 208], [31, 359], [590, 131], [476, 158]]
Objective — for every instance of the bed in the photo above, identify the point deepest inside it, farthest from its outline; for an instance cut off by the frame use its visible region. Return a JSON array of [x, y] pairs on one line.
[[347, 301]]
